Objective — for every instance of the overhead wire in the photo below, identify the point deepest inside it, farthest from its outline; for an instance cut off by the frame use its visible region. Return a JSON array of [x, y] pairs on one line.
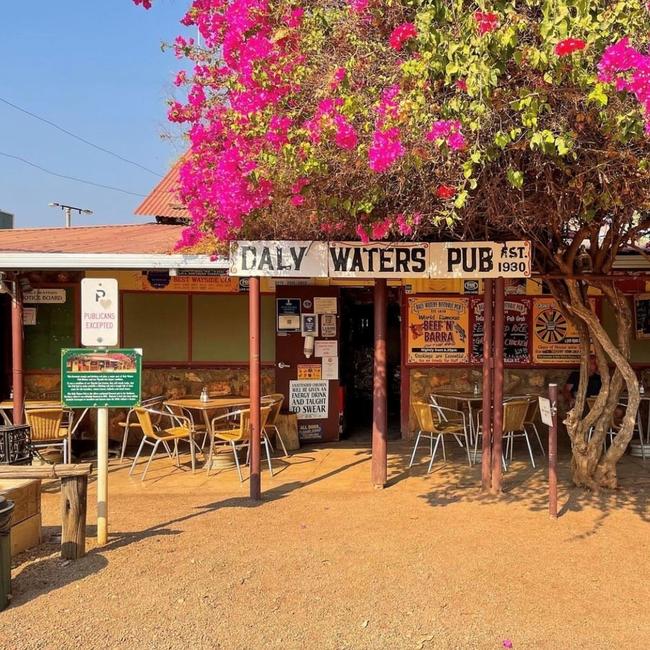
[[70, 178], [78, 137]]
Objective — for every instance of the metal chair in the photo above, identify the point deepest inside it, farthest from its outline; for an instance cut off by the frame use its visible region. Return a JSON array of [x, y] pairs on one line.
[[452, 411], [187, 413], [275, 401], [154, 435], [478, 428], [433, 423], [132, 421], [49, 430], [233, 428], [514, 426], [531, 416]]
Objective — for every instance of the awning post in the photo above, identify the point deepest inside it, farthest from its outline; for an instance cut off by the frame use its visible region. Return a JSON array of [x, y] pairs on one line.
[[379, 406], [497, 410], [18, 380], [255, 381], [486, 421]]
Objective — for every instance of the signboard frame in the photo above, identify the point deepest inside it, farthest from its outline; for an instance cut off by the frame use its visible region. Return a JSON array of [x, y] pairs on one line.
[[82, 388]]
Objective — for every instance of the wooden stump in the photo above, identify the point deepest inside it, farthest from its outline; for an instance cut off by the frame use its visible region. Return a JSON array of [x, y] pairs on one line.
[[288, 427], [73, 516]]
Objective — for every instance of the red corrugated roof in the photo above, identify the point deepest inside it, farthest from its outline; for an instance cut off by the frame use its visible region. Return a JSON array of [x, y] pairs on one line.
[[163, 200], [130, 238]]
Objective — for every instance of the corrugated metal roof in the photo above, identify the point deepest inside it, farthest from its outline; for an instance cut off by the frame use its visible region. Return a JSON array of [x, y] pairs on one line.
[[129, 238], [163, 200]]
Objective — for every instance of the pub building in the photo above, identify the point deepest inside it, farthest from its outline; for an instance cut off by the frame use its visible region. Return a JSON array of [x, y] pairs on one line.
[[338, 322]]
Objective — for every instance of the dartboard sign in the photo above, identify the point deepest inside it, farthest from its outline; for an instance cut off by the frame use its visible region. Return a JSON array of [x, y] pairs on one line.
[[551, 326]]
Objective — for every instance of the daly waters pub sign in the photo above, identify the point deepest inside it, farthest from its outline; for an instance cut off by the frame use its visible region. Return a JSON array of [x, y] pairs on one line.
[[315, 259]]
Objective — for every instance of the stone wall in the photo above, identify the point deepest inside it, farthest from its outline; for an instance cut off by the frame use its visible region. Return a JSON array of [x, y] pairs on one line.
[[174, 383], [425, 381]]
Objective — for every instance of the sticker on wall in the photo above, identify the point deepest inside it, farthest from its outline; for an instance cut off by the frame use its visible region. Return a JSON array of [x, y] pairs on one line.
[[309, 399], [307, 303], [325, 305], [309, 324], [325, 349], [309, 371], [288, 314], [330, 368], [328, 326], [29, 315]]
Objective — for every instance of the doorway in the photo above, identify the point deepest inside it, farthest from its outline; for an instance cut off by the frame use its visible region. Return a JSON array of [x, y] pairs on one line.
[[357, 360]]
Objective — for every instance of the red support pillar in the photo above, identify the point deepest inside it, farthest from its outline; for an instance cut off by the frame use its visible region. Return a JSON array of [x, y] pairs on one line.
[[497, 409], [18, 380], [255, 386], [379, 406], [488, 360]]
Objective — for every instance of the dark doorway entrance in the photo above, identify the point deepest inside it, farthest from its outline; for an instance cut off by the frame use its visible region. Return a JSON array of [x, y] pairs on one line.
[[357, 354]]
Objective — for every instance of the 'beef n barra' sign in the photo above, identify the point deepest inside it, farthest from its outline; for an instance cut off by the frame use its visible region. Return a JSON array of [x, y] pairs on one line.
[[380, 259]]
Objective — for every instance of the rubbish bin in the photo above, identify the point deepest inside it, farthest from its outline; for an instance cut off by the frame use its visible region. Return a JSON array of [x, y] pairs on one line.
[[6, 510]]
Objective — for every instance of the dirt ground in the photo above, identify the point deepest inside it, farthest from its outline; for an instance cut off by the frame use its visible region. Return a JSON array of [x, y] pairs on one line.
[[326, 561]]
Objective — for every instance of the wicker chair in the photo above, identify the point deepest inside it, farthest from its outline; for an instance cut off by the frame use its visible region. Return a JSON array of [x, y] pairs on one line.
[[233, 429], [275, 401], [131, 419], [49, 430], [433, 423]]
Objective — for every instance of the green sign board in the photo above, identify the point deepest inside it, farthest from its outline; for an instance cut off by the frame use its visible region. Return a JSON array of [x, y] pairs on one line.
[[101, 378]]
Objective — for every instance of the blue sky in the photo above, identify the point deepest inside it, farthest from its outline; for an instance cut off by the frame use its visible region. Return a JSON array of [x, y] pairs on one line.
[[95, 68]]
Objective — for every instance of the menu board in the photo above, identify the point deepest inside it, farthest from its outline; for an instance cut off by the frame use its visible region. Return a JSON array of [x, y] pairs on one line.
[[555, 340], [642, 315], [438, 330], [516, 336]]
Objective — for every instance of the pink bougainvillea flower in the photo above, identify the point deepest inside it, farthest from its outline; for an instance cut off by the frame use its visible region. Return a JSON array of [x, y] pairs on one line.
[[346, 136], [297, 199], [449, 131], [385, 149], [295, 17], [569, 46], [146, 4], [486, 22], [381, 229], [358, 6], [337, 78], [362, 234], [461, 84], [401, 34], [446, 192]]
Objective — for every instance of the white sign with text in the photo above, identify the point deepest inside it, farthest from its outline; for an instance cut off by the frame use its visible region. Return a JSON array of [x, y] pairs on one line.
[[308, 399], [99, 312]]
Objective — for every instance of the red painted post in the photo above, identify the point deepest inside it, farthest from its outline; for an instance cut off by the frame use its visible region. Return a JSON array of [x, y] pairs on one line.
[[255, 381], [18, 380], [486, 422], [497, 409], [379, 406], [552, 453]]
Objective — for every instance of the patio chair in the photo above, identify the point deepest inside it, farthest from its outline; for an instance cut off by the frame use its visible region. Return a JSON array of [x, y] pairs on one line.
[[479, 434], [131, 419], [531, 416], [432, 423], [153, 435], [50, 428], [452, 411], [275, 401], [183, 412], [614, 426], [234, 429], [514, 426]]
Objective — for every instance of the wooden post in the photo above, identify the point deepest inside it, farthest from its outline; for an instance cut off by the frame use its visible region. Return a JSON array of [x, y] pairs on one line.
[[102, 476], [73, 516], [18, 380], [255, 381], [497, 409], [552, 453], [486, 422], [379, 398]]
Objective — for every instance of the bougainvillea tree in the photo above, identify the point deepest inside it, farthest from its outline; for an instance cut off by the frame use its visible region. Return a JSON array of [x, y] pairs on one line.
[[422, 119]]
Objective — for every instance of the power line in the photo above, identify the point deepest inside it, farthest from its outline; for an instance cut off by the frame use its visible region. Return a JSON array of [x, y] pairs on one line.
[[78, 137], [69, 178]]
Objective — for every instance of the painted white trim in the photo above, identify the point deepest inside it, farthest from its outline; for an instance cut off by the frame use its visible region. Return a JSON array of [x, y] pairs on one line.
[[10, 261], [631, 262]]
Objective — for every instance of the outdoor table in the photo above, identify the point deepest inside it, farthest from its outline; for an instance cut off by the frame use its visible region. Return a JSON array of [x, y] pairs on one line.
[[213, 404], [8, 405]]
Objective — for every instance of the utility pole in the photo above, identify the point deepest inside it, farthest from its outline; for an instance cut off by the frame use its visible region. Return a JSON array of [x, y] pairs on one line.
[[67, 210]]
